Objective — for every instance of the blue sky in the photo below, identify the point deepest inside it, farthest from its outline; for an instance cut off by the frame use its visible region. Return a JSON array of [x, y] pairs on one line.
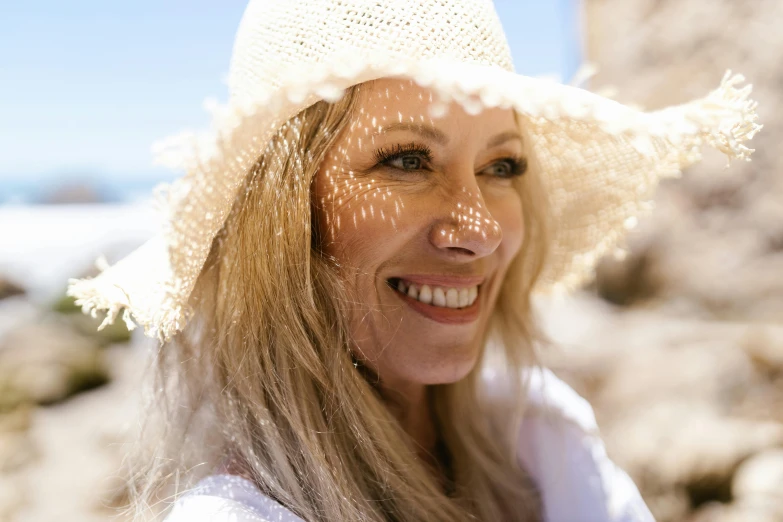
[[87, 85]]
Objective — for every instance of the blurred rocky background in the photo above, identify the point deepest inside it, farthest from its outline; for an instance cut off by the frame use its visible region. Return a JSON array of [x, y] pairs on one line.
[[679, 346], [68, 393], [66, 401]]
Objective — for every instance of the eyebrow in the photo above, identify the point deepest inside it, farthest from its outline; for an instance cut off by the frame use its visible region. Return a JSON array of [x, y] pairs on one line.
[[417, 128], [503, 137], [439, 137]]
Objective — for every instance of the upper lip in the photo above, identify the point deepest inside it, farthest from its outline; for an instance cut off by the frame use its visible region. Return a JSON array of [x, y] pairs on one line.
[[453, 281]]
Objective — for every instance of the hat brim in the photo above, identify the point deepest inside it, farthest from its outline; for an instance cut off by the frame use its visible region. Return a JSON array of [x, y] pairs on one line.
[[601, 162], [139, 287]]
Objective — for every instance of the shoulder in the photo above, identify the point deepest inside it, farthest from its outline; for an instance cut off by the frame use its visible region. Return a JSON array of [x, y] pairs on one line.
[[228, 498], [560, 445]]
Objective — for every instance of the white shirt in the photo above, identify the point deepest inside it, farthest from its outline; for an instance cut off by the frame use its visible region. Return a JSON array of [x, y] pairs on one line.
[[559, 446]]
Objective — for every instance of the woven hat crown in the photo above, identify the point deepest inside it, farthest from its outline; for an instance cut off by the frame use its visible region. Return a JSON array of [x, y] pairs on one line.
[[278, 37]]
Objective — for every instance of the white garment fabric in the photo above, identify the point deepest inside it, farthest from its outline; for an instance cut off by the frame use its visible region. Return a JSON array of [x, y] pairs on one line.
[[559, 446]]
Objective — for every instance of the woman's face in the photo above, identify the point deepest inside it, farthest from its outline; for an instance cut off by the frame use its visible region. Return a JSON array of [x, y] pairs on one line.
[[421, 216]]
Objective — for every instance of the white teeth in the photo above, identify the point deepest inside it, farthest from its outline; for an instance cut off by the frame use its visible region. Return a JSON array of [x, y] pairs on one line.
[[464, 297], [425, 295], [452, 298], [439, 296]]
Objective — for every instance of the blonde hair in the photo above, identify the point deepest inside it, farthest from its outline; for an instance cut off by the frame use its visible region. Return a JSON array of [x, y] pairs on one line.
[[263, 375]]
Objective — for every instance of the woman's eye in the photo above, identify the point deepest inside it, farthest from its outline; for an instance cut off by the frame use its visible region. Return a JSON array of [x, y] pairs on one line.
[[407, 162], [507, 168], [407, 157], [501, 169]]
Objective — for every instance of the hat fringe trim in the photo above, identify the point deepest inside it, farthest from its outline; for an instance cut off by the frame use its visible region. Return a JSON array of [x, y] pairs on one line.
[[724, 120], [112, 292], [92, 296]]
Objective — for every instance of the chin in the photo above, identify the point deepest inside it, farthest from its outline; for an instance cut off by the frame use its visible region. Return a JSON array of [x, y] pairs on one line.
[[449, 366]]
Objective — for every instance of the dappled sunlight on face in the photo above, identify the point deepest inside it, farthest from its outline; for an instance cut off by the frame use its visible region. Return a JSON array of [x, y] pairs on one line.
[[421, 212]]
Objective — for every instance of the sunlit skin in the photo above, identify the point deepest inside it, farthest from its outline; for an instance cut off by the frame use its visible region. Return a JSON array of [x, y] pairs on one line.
[[455, 214]]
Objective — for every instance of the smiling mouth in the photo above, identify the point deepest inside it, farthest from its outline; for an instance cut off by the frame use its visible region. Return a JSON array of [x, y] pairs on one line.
[[442, 304], [436, 296]]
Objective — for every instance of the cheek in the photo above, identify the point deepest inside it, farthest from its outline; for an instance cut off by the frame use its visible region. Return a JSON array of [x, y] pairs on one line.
[[507, 211], [357, 221]]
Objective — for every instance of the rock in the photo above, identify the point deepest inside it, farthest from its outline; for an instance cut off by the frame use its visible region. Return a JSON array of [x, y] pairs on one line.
[[629, 280], [9, 288], [15, 311], [16, 451], [760, 477], [689, 445], [753, 293], [701, 367], [16, 448], [635, 277], [11, 396], [12, 497], [736, 512], [668, 504], [762, 402], [764, 346], [46, 362], [75, 192]]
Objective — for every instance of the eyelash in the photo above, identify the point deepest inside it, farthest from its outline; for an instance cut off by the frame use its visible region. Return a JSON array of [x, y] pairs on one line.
[[385, 156], [517, 164]]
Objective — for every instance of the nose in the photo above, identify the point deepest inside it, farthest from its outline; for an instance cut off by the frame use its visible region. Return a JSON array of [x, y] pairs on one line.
[[466, 228]]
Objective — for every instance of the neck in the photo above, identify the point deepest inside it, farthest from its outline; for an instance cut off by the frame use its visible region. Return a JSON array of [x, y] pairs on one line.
[[410, 404]]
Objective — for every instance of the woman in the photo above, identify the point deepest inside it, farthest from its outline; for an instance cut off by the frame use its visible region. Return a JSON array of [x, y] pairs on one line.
[[343, 289]]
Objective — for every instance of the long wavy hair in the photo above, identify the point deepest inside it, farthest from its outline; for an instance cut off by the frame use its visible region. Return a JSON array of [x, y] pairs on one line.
[[262, 381]]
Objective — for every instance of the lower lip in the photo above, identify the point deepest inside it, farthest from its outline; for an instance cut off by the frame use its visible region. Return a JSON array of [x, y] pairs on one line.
[[441, 314]]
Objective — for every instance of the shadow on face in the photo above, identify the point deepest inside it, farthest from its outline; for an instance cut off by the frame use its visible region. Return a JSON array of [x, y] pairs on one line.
[[420, 211]]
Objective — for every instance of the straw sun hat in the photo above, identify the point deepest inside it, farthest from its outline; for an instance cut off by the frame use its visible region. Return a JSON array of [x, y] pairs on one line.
[[600, 160]]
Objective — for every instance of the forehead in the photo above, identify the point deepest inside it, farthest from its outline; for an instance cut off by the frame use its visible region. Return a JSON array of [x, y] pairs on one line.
[[387, 101], [397, 93]]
